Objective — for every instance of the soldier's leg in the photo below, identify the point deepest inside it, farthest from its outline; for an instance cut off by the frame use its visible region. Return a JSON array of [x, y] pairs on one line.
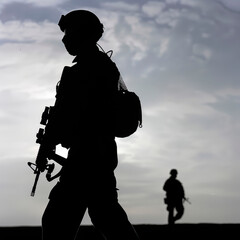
[[62, 218], [180, 211], [106, 213], [170, 209], [112, 221]]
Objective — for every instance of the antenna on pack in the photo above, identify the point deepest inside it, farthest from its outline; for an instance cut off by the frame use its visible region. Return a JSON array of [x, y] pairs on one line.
[[109, 53]]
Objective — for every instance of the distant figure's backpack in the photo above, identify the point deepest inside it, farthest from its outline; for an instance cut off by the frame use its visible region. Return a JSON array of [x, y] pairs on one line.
[[128, 112]]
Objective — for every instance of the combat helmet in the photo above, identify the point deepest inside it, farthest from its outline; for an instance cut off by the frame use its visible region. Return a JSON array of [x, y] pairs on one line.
[[82, 21], [173, 172]]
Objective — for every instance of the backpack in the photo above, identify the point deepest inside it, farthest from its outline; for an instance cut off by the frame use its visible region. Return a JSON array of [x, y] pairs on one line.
[[128, 112]]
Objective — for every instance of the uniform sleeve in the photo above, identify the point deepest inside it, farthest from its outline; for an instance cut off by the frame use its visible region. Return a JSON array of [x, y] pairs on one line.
[[165, 186]]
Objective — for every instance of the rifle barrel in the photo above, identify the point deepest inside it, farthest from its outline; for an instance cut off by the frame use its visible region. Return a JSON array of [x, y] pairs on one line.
[[35, 182]]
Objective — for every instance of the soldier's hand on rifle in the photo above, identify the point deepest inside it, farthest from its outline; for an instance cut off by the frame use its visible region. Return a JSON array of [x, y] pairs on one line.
[[42, 157], [41, 160]]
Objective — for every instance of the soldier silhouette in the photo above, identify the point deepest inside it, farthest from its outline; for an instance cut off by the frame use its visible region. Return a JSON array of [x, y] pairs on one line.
[[174, 197], [82, 121]]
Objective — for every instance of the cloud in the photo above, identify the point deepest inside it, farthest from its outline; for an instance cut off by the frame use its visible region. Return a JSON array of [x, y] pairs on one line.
[[153, 8], [201, 52], [28, 47], [29, 31], [43, 3], [229, 104], [120, 6], [27, 11], [232, 5]]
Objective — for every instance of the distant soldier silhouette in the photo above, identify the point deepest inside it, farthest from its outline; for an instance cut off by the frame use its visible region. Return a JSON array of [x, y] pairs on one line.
[[174, 197], [83, 122]]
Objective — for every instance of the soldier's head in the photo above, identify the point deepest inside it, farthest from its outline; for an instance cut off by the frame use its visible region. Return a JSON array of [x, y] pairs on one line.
[[174, 173], [82, 29]]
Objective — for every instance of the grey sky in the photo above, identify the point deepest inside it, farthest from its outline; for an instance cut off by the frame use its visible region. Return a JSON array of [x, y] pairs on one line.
[[180, 56]]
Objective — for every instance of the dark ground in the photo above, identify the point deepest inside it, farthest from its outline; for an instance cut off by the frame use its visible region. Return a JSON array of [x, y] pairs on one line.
[[146, 232]]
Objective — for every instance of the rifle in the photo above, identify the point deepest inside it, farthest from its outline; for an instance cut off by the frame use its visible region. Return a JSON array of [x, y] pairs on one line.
[[41, 156], [187, 200], [37, 171]]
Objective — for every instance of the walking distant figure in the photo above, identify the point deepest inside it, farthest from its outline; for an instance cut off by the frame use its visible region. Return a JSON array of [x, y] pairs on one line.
[[174, 197], [82, 121]]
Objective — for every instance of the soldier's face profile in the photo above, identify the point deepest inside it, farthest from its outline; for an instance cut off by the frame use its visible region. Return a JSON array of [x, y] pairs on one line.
[[71, 41], [75, 41]]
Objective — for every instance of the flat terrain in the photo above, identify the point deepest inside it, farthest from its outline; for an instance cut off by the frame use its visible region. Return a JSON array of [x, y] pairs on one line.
[[146, 232]]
